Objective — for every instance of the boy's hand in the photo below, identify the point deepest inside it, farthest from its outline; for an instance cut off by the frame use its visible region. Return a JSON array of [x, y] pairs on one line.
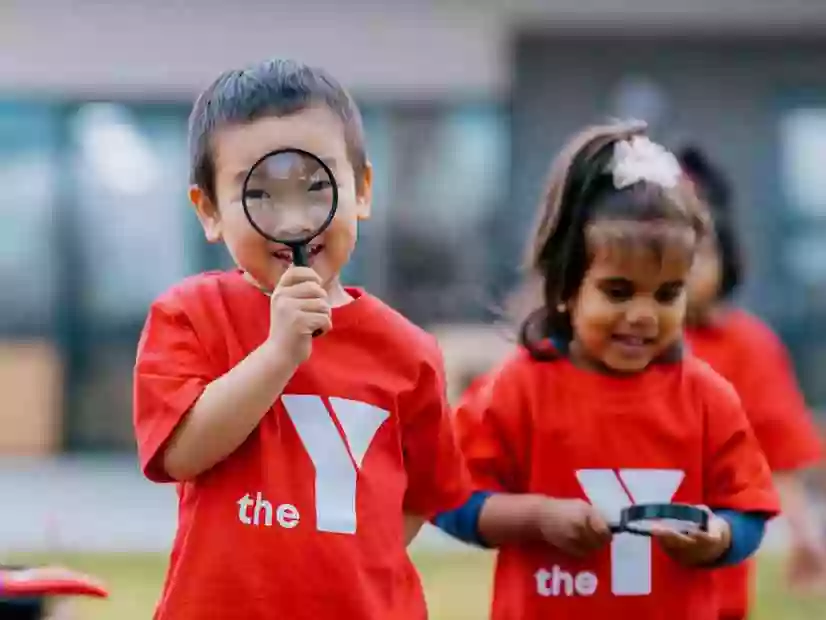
[[573, 526], [298, 308], [696, 548]]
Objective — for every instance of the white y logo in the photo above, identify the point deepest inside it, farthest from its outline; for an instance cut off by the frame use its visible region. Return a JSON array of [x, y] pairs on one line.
[[610, 493], [336, 459]]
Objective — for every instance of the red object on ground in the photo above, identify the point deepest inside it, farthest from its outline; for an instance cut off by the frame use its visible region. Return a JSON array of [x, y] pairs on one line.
[[49, 581]]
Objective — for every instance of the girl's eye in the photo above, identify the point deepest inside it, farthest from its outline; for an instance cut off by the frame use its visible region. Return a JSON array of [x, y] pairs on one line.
[[669, 293], [618, 291]]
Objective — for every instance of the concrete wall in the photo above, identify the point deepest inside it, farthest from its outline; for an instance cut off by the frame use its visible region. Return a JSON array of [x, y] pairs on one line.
[[415, 48], [152, 48]]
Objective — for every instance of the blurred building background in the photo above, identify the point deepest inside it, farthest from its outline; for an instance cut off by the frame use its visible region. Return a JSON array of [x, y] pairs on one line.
[[464, 105]]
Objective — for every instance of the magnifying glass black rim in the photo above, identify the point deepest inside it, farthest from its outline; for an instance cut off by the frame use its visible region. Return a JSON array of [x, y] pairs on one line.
[[645, 512], [333, 206]]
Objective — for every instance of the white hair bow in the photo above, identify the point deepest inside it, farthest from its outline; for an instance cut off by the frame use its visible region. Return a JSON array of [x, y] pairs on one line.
[[640, 159]]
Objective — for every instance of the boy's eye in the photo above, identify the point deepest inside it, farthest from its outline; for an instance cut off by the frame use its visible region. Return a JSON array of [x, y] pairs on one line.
[[319, 185], [255, 194], [618, 290], [669, 293]]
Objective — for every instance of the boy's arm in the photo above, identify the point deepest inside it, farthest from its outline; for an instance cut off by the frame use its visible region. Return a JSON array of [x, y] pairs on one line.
[[188, 418], [229, 409]]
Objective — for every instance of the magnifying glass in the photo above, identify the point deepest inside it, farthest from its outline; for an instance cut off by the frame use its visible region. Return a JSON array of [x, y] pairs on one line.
[[290, 197], [641, 519]]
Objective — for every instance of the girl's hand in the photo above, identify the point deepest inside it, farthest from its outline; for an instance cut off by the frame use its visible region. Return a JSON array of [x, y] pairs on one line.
[[573, 526], [696, 548]]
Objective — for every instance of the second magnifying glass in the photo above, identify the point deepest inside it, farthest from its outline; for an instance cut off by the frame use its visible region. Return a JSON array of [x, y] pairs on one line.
[[642, 519]]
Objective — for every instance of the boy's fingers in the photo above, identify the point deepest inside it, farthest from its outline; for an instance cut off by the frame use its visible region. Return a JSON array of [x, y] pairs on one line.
[[304, 290], [295, 275]]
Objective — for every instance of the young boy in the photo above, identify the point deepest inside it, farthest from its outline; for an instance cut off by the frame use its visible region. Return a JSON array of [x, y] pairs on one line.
[[300, 461]]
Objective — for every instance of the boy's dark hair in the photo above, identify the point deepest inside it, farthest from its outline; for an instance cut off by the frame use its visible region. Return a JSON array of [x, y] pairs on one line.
[[715, 189], [278, 87], [581, 191]]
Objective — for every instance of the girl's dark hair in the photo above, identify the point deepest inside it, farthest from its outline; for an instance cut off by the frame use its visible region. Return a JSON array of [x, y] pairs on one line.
[[715, 190], [581, 190]]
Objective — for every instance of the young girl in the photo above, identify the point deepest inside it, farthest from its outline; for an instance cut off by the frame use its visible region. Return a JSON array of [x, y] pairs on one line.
[[599, 408], [747, 353]]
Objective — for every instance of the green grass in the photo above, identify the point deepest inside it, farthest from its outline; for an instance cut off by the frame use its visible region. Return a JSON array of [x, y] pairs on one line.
[[775, 603], [457, 586]]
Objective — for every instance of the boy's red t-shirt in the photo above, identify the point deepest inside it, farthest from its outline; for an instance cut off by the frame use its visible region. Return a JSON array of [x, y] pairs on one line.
[[675, 433], [746, 352], [304, 520]]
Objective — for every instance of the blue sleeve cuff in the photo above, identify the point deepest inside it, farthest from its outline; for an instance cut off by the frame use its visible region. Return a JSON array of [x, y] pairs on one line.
[[463, 522], [747, 530]]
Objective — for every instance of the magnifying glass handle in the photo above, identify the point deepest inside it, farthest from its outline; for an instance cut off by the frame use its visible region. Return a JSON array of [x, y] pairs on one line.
[[300, 260], [300, 255]]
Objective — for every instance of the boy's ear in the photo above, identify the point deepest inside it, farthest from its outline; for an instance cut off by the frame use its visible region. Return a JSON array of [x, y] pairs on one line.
[[364, 197], [207, 213]]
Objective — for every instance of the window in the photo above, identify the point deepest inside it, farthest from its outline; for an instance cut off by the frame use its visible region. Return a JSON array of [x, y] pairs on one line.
[[802, 241], [130, 170], [442, 171], [639, 97], [803, 151], [803, 187], [28, 209]]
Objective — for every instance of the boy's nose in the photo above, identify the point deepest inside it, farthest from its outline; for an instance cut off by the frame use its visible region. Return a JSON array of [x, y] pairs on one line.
[[294, 224]]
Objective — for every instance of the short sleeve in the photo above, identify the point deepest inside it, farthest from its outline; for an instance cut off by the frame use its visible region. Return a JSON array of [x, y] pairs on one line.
[[736, 473], [437, 479], [171, 372], [775, 406], [493, 434]]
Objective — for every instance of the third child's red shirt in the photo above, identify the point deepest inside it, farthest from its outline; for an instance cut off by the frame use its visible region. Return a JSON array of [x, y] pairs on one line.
[[674, 433], [304, 520], [747, 353]]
